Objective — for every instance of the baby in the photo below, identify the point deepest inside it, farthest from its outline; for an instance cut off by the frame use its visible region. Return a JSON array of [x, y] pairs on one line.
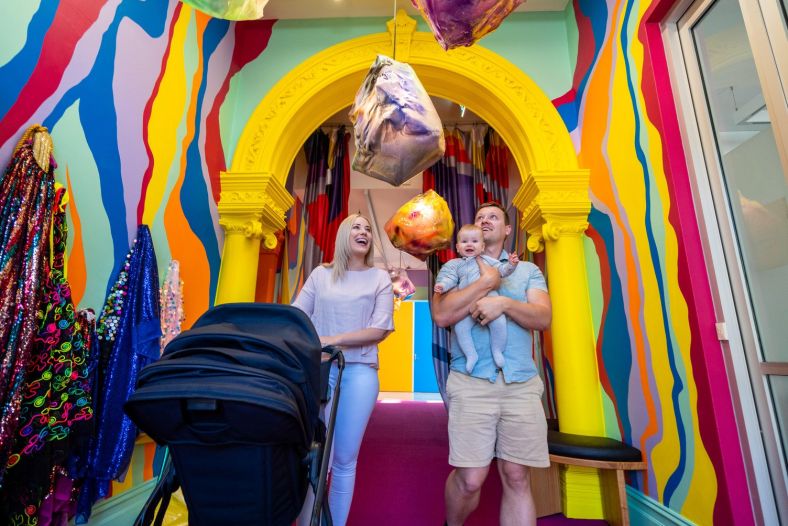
[[462, 271]]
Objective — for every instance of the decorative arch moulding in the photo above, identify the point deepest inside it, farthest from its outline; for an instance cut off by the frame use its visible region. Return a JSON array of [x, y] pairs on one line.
[[481, 80]]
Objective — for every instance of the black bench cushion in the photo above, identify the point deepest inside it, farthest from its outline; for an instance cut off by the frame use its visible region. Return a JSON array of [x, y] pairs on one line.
[[591, 448]]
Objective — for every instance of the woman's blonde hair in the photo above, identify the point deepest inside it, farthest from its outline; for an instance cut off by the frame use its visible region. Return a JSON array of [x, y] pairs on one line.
[[342, 247]]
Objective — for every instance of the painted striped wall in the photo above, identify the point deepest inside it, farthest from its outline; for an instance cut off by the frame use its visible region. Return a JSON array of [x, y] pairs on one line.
[[653, 353], [145, 101], [131, 92]]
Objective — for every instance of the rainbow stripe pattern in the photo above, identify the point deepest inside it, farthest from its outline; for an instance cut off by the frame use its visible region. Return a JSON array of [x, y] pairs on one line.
[[144, 101]]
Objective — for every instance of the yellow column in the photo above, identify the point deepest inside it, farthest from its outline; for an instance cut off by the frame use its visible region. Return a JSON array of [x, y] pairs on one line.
[[555, 208], [251, 208]]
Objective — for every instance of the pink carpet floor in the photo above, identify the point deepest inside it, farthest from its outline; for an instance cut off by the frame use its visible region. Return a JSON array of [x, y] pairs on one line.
[[402, 468]]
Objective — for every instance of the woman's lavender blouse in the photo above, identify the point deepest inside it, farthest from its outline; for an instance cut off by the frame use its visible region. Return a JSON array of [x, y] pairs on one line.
[[362, 299]]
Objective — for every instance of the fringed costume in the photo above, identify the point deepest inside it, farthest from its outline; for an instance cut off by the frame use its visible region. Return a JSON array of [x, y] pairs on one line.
[[27, 193], [172, 314], [55, 418]]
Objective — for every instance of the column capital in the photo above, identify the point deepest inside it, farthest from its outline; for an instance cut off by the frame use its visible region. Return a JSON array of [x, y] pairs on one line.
[[253, 204], [401, 27], [553, 204]]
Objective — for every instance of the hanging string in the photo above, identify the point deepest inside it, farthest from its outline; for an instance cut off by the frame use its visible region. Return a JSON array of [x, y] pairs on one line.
[[373, 218], [394, 50]]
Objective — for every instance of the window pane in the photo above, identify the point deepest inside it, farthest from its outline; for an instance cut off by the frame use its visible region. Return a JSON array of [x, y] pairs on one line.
[[752, 174], [779, 385]]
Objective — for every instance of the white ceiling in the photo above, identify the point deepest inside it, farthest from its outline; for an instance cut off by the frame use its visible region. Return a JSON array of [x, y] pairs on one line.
[[366, 8]]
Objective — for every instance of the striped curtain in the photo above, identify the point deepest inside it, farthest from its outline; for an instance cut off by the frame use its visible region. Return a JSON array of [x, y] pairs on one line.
[[312, 225], [490, 166], [474, 170]]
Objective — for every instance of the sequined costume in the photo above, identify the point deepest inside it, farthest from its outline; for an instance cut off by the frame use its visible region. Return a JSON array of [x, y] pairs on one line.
[[172, 315], [26, 197], [55, 418], [129, 332]]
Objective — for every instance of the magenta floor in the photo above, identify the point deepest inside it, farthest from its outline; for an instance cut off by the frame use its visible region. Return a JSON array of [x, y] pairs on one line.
[[403, 465]]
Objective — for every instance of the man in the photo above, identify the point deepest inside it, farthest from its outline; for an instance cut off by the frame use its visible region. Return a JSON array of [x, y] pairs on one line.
[[496, 412]]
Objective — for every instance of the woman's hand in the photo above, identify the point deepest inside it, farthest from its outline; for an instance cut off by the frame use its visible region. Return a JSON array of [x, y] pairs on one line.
[[325, 341]]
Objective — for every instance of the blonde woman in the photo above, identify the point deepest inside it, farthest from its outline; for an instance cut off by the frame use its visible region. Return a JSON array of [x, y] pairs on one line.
[[351, 304]]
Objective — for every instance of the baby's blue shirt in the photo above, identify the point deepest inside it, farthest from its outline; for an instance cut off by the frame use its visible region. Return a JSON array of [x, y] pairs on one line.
[[519, 365]]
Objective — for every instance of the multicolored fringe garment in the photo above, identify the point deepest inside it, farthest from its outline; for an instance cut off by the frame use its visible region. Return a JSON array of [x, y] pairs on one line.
[[27, 194], [55, 419]]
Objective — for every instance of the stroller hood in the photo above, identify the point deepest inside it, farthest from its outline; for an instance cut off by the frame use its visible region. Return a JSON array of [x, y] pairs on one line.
[[245, 373]]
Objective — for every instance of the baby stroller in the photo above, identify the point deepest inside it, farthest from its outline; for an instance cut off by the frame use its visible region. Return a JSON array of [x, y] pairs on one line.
[[237, 401]]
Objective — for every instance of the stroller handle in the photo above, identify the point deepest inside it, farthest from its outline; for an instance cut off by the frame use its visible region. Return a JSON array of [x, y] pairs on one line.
[[320, 511], [334, 353]]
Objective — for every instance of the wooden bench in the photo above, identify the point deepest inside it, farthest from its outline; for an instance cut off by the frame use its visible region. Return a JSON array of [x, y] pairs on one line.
[[611, 457]]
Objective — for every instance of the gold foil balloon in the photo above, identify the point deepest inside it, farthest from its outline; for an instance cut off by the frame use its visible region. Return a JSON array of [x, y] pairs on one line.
[[230, 9], [421, 226]]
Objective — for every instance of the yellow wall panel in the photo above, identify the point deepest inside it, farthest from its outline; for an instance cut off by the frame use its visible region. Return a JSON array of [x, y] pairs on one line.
[[396, 353]]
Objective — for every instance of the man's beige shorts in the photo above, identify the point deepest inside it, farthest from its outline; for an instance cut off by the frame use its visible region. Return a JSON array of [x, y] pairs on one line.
[[500, 420]]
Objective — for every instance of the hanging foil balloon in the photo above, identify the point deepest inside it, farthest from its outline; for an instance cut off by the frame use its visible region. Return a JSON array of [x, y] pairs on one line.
[[397, 131], [462, 22], [402, 286], [421, 226], [230, 9]]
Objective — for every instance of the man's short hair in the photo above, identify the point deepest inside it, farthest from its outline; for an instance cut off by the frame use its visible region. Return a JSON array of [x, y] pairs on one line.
[[497, 205]]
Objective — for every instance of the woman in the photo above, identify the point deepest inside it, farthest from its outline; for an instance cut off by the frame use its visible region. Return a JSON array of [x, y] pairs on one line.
[[351, 306]]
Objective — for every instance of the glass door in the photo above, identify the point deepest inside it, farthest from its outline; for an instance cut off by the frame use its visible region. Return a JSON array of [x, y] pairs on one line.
[[735, 64]]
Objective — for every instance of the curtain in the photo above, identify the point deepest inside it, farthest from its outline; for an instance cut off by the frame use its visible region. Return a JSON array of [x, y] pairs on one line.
[[312, 226], [474, 170], [452, 178], [491, 156]]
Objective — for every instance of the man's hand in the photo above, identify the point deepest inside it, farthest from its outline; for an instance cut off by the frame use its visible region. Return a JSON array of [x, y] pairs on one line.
[[488, 308], [488, 274], [449, 308]]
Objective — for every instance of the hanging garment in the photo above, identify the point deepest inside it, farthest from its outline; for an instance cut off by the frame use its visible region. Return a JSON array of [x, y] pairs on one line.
[[171, 295], [27, 194], [397, 131], [421, 226], [129, 332], [462, 22], [55, 417]]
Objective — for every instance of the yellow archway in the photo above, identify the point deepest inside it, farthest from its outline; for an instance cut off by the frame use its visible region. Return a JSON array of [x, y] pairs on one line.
[[553, 198]]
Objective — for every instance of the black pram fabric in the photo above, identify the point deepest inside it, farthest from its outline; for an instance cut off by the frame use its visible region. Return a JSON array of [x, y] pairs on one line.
[[237, 400]]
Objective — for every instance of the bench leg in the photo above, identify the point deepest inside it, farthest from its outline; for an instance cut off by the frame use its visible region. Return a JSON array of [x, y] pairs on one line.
[[614, 493], [546, 490]]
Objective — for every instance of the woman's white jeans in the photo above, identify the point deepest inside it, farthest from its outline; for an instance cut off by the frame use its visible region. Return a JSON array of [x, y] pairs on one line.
[[357, 395]]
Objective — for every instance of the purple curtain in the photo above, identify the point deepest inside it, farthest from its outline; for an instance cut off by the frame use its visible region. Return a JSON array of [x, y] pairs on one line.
[[473, 170]]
